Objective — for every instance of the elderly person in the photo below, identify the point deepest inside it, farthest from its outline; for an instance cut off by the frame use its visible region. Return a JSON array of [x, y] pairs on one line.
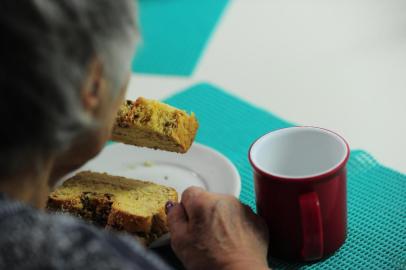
[[64, 67]]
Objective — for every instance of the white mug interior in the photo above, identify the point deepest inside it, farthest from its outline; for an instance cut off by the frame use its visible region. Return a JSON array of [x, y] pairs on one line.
[[298, 152]]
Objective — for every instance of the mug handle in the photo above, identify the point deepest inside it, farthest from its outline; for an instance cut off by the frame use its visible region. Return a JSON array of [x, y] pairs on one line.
[[312, 227]]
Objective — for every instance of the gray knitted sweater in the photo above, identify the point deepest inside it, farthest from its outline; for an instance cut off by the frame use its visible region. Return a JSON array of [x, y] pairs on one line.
[[30, 239]]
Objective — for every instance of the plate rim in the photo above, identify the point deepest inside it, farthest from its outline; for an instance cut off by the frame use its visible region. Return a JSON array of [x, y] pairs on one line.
[[237, 191]]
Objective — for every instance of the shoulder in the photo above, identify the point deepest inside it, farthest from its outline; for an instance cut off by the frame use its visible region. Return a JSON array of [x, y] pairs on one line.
[[59, 241]]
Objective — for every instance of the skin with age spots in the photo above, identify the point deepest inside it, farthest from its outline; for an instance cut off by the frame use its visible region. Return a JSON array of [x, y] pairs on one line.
[[212, 231]]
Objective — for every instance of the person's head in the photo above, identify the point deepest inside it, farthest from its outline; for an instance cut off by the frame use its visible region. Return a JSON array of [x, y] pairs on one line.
[[64, 66]]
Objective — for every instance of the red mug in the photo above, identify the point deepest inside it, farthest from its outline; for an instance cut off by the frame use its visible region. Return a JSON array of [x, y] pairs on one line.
[[300, 186]]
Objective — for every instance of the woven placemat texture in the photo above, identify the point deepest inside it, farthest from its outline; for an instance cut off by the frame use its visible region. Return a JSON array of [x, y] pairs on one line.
[[376, 194], [174, 34]]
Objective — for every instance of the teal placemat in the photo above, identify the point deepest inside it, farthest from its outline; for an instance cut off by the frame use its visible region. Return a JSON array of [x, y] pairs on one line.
[[174, 34], [376, 194]]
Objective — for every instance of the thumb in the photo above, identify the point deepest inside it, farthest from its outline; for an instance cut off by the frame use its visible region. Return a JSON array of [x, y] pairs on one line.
[[177, 217]]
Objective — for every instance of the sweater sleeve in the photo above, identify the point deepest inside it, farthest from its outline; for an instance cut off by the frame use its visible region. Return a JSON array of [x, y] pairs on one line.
[[33, 240]]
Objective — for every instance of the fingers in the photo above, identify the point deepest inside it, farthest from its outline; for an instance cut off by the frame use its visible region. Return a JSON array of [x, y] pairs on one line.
[[177, 223], [190, 193], [177, 217], [196, 202]]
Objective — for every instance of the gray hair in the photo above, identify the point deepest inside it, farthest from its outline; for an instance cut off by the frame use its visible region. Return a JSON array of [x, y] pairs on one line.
[[45, 53]]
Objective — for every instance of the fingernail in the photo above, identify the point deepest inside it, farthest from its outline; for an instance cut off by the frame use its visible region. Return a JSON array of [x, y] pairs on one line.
[[168, 206]]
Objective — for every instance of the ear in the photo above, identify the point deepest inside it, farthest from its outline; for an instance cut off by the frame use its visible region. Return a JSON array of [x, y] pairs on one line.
[[91, 92]]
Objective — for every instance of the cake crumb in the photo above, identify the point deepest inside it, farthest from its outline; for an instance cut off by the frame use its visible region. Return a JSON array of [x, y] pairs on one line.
[[148, 164], [131, 166]]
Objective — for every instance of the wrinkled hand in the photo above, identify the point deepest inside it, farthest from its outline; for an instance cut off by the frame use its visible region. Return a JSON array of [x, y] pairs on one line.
[[212, 231]]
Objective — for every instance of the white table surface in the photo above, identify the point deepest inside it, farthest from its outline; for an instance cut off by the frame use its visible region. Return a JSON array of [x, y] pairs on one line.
[[338, 64]]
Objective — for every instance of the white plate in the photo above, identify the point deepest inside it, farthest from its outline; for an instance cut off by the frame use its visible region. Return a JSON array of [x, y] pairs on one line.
[[200, 166]]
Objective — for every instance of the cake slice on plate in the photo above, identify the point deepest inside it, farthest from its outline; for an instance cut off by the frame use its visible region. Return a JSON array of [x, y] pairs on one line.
[[114, 202], [153, 124]]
